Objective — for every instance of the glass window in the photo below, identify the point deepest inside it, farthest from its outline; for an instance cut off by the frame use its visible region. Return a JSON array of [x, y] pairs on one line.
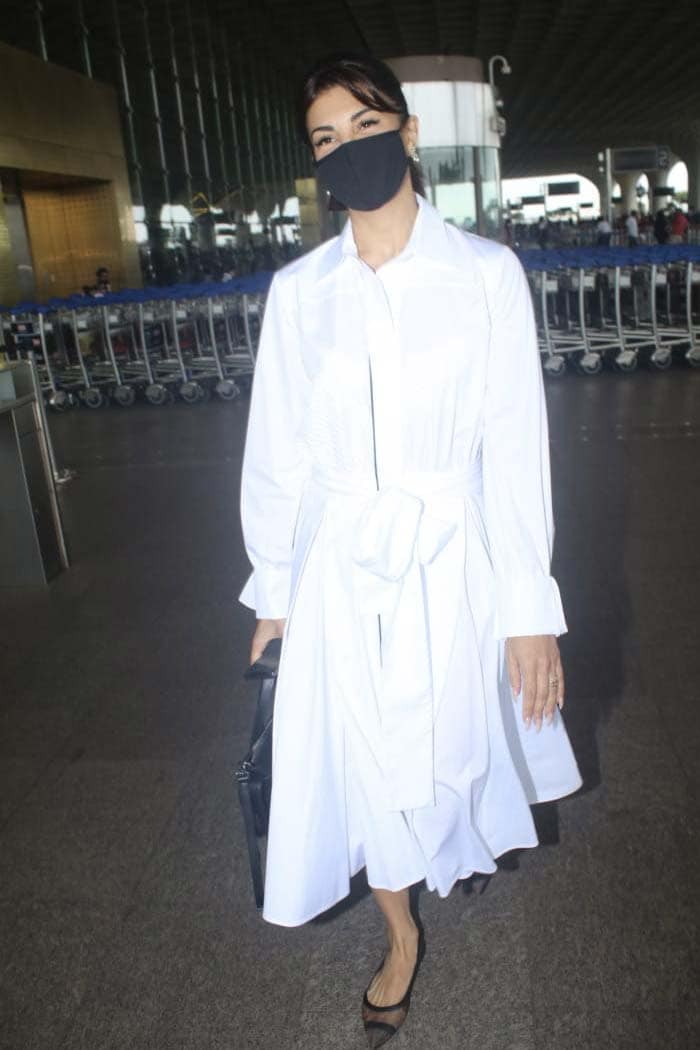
[[450, 183], [489, 170], [452, 174]]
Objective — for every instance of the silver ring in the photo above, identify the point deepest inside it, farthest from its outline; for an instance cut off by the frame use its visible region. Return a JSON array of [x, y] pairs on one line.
[[553, 681]]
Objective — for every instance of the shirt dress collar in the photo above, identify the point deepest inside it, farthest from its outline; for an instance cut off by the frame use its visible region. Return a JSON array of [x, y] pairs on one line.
[[429, 239]]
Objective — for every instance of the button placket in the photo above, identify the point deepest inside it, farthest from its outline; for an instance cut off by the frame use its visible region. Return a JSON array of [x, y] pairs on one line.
[[385, 362]]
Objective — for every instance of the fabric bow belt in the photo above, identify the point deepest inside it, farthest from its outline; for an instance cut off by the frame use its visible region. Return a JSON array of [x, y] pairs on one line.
[[400, 531]]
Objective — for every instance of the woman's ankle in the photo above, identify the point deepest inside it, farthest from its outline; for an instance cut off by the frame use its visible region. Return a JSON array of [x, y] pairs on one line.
[[403, 940]]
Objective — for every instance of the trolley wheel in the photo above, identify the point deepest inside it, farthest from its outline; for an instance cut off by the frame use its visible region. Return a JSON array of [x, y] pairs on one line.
[[190, 392], [205, 394], [156, 394], [124, 396], [626, 363], [227, 390], [93, 397], [60, 401], [554, 366], [662, 360], [591, 364], [693, 358]]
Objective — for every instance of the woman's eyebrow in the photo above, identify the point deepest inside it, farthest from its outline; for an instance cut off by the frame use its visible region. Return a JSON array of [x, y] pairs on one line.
[[322, 127], [354, 117]]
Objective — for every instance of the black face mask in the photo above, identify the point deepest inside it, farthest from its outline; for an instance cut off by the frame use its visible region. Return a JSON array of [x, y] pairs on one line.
[[365, 173]]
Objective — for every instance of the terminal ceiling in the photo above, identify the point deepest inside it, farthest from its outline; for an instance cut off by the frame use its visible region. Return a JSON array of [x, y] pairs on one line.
[[586, 73]]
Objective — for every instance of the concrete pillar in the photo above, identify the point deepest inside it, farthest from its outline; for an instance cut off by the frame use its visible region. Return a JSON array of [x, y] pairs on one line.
[[9, 286], [658, 179], [686, 143], [598, 181], [692, 160], [628, 185], [458, 113]]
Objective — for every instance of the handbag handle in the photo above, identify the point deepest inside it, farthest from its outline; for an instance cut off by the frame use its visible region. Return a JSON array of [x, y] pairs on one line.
[[267, 665]]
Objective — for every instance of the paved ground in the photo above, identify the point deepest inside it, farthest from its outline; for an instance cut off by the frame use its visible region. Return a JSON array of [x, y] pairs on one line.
[[126, 920]]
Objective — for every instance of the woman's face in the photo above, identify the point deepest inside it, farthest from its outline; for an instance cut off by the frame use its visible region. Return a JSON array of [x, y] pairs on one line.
[[336, 116]]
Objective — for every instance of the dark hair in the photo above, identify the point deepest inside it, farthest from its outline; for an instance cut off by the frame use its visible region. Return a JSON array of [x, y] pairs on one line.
[[371, 82]]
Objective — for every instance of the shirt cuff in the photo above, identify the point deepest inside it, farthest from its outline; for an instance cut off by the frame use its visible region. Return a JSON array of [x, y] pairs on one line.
[[529, 605], [267, 592]]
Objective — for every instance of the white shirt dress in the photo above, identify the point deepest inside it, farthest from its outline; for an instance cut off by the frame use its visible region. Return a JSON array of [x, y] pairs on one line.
[[396, 510]]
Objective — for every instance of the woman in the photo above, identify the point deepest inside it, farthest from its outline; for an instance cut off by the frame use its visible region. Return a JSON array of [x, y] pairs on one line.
[[397, 513]]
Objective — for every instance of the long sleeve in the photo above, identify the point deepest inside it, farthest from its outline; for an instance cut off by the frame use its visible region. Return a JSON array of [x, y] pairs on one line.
[[516, 468], [274, 460]]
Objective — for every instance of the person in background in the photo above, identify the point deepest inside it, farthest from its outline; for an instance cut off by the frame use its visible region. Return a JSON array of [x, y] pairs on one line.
[[103, 284], [679, 226], [267, 253], [543, 232], [632, 227], [603, 232], [661, 227]]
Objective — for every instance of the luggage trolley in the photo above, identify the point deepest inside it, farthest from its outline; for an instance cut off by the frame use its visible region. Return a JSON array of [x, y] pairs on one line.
[[692, 280], [631, 336], [209, 330], [666, 337], [189, 340], [76, 371], [614, 303], [29, 330], [576, 286], [564, 288], [131, 373], [182, 366], [590, 360], [153, 342], [644, 326], [176, 364], [89, 338], [226, 388], [607, 334], [597, 342], [242, 313], [185, 358], [678, 332], [545, 288]]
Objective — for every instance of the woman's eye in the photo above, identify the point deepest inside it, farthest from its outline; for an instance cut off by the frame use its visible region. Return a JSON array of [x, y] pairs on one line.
[[322, 142], [368, 122]]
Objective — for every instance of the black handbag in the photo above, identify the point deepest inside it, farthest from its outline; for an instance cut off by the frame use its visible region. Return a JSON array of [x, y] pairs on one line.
[[254, 775]]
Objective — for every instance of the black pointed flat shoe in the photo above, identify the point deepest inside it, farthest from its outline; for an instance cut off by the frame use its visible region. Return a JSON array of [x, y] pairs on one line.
[[383, 1022]]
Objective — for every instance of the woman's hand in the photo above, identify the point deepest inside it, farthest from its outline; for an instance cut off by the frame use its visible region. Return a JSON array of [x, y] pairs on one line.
[[534, 665], [265, 631]]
